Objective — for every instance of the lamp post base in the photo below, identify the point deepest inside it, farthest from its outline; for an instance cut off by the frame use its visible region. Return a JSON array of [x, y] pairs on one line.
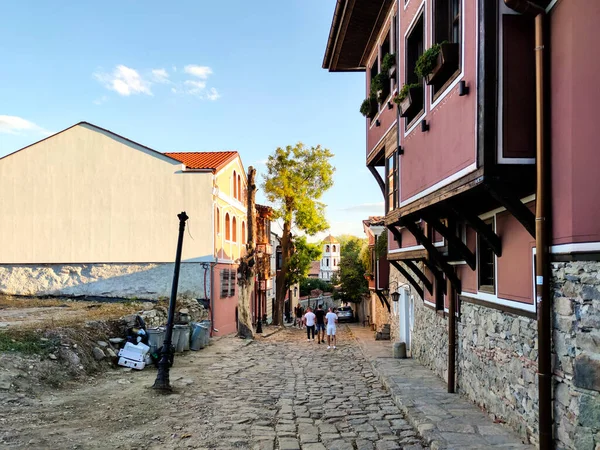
[[259, 326]]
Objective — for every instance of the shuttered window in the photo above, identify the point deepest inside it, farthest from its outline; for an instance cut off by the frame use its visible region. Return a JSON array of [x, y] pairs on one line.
[[227, 283]]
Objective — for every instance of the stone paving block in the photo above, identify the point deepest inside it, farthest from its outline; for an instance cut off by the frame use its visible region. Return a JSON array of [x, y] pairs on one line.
[[387, 445], [315, 446], [288, 444], [340, 445]]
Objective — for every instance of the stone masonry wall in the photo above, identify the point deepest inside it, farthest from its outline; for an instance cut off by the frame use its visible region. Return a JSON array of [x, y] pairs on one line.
[[576, 352], [143, 281], [430, 339], [497, 365]]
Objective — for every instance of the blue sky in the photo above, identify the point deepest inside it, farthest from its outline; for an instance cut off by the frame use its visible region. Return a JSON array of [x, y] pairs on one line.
[[189, 76]]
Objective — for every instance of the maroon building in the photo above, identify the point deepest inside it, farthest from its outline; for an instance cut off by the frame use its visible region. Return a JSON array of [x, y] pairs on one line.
[[477, 113]]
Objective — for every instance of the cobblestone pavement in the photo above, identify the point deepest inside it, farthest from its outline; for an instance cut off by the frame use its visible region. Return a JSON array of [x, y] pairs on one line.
[[280, 392]]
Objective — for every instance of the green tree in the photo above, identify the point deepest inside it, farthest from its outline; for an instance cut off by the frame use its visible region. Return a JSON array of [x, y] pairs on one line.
[[302, 256], [297, 176], [309, 284], [353, 285]]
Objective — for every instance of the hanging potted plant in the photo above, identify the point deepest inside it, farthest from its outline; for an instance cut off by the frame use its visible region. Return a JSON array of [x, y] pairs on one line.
[[409, 99], [388, 64], [380, 86], [369, 106], [438, 62]]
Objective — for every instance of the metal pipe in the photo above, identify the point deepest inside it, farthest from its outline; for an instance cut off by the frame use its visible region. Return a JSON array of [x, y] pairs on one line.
[[542, 260], [162, 377], [451, 335], [542, 271]]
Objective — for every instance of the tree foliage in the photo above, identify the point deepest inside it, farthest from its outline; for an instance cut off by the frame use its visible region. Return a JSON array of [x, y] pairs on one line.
[[297, 176], [310, 284], [303, 255], [353, 285]]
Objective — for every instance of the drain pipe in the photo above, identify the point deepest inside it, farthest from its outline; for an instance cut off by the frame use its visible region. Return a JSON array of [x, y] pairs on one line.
[[451, 335], [542, 271]]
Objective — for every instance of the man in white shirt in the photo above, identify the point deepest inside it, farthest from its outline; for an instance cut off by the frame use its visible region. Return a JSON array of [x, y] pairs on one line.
[[309, 319], [331, 319]]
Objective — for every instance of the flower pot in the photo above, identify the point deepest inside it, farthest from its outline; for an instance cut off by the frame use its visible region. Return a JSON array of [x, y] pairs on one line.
[[447, 63], [412, 103]]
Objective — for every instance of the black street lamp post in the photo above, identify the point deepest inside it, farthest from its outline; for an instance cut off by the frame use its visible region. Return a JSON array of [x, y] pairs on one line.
[[162, 378]]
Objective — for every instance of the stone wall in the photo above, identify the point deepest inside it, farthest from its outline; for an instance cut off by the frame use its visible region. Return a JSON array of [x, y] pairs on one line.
[[576, 352], [497, 365], [430, 339], [381, 315], [143, 281]]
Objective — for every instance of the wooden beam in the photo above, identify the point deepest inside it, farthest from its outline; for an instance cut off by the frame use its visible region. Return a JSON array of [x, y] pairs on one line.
[[439, 276], [420, 275], [382, 299], [514, 206], [434, 254], [452, 239], [378, 178], [409, 278], [396, 233], [484, 231]]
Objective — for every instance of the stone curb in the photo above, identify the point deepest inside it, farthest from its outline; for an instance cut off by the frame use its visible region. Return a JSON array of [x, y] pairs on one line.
[[414, 417]]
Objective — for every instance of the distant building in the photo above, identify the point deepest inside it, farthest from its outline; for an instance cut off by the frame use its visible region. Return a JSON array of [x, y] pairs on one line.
[[331, 258], [315, 269]]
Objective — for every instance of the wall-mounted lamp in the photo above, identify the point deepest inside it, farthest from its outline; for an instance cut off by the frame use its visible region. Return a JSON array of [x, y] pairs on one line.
[[463, 89], [395, 294], [390, 105], [377, 123], [424, 126], [400, 150]]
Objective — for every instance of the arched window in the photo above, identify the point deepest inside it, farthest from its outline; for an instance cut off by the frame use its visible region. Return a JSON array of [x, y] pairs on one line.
[[234, 185], [334, 264], [218, 220], [239, 191], [327, 249], [234, 230], [334, 249], [243, 232], [327, 262], [227, 228]]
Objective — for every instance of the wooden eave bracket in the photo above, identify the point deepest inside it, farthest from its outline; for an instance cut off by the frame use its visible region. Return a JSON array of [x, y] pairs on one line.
[[409, 278], [378, 178], [382, 299], [439, 276], [396, 233], [514, 206], [420, 275], [434, 254], [452, 239], [483, 230]]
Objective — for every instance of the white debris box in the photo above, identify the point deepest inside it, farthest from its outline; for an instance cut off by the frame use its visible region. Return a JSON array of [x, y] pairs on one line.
[[135, 352], [131, 363]]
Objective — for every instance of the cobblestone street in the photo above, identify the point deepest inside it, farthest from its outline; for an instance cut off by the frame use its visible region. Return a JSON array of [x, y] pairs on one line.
[[277, 392]]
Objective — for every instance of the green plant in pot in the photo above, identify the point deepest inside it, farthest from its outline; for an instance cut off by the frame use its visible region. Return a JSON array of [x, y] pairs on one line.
[[388, 63], [405, 100], [368, 108], [437, 62], [380, 86]]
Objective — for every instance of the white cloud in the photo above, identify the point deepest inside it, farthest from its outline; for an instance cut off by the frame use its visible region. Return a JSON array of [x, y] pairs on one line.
[[213, 94], [18, 125], [125, 81], [201, 72], [195, 87], [160, 76]]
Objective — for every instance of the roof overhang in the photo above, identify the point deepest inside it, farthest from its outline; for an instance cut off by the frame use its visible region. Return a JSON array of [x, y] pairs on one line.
[[354, 29]]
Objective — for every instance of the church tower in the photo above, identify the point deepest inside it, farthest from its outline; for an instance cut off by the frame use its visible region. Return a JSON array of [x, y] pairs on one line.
[[330, 261]]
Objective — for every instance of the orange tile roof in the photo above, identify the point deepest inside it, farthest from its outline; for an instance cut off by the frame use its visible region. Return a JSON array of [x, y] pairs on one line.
[[315, 267], [203, 160]]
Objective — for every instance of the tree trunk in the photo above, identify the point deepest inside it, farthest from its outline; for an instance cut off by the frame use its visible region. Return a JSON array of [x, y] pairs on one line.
[[281, 283], [246, 269]]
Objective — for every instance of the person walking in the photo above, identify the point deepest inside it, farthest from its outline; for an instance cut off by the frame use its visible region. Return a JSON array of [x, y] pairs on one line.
[[309, 319], [320, 324], [331, 320], [299, 314]]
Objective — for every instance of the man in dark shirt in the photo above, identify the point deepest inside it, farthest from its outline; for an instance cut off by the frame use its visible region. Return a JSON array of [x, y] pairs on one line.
[[320, 321]]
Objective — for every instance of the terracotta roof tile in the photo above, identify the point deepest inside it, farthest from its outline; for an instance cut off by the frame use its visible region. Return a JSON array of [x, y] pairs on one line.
[[315, 267], [203, 160], [330, 240]]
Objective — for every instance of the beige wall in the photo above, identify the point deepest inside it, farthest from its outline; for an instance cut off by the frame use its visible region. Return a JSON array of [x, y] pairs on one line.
[[86, 195], [232, 248]]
